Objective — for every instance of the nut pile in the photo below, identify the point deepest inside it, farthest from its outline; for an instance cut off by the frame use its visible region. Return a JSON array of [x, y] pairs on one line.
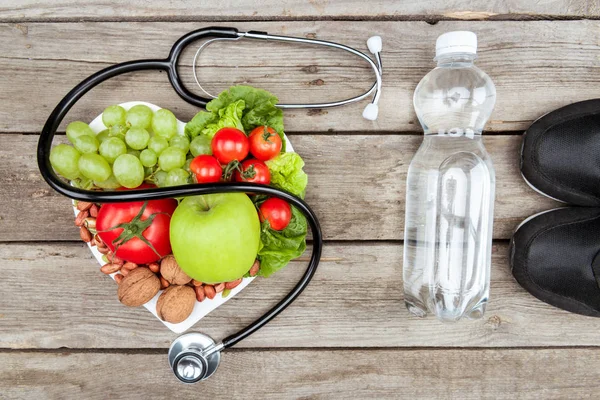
[[138, 284]]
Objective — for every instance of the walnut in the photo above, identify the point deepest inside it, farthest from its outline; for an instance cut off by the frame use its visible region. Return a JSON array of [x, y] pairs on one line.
[[176, 303], [170, 270], [138, 287]]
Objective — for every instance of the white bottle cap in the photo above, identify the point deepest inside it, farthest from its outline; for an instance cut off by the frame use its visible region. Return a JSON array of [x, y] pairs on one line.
[[456, 42]]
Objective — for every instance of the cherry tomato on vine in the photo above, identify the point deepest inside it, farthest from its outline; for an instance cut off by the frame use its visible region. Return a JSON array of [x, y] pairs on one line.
[[278, 212], [206, 169], [265, 143], [230, 144], [254, 171]]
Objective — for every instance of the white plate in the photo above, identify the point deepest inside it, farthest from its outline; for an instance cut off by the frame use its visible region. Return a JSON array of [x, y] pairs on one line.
[[200, 309]]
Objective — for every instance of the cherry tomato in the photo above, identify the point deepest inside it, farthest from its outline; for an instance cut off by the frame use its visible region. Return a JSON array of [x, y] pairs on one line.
[[206, 168], [265, 143], [230, 144], [129, 246], [254, 171], [278, 212]]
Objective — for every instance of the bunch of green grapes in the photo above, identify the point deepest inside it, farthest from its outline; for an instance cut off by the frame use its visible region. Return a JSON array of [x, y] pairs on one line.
[[137, 145]]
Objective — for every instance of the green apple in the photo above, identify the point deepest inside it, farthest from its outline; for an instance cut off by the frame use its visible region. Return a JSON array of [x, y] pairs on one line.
[[215, 237]]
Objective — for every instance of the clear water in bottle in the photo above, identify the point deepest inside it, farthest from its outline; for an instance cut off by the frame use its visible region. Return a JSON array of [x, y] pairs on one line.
[[450, 188]]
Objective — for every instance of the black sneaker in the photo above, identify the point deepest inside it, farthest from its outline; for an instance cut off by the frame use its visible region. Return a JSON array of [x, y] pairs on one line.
[[560, 157], [555, 255]]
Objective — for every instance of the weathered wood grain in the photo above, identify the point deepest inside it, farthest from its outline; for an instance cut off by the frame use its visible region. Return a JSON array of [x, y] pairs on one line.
[[20, 10], [356, 186], [537, 66], [316, 374], [54, 296]]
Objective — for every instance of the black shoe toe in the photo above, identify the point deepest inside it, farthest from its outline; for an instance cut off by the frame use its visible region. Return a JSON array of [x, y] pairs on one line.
[[560, 156], [556, 257]]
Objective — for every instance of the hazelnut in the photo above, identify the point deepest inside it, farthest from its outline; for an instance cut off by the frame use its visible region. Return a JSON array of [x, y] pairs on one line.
[[170, 270], [176, 303], [138, 287]]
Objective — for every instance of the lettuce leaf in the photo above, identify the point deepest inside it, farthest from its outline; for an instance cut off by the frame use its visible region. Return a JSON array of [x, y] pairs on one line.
[[257, 108], [287, 174], [280, 247]]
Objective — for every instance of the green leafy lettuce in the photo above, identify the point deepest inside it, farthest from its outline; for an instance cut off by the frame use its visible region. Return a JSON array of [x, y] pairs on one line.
[[287, 174], [280, 247], [241, 107]]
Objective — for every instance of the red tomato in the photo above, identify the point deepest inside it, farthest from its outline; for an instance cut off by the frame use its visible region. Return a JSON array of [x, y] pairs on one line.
[[230, 144], [206, 168], [278, 212], [254, 171], [153, 225], [265, 143]]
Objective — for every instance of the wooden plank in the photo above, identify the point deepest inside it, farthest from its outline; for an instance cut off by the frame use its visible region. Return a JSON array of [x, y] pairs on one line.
[[54, 296], [356, 186], [314, 374], [23, 10], [537, 67]]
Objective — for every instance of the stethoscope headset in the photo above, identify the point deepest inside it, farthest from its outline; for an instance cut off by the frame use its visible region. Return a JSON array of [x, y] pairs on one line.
[[195, 356]]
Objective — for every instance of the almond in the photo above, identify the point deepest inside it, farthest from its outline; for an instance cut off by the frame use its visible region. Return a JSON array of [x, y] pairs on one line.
[[84, 205], [85, 235], [93, 211], [154, 267], [200, 296], [110, 268], [118, 278], [209, 291], [164, 283], [129, 265], [254, 269], [220, 287], [196, 283], [81, 217], [233, 284]]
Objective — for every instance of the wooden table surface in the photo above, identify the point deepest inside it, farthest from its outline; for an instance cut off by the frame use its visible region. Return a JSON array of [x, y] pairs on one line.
[[63, 333]]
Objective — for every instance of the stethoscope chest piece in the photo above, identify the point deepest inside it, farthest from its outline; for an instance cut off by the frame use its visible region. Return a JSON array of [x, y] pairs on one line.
[[194, 357]]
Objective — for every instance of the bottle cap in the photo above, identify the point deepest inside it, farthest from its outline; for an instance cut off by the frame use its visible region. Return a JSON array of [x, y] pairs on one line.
[[456, 42]]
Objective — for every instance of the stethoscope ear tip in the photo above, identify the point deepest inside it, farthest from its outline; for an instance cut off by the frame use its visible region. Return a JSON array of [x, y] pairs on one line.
[[374, 44], [371, 111]]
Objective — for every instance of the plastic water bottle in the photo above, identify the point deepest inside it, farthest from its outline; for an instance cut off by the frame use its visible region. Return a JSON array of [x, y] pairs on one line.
[[450, 188]]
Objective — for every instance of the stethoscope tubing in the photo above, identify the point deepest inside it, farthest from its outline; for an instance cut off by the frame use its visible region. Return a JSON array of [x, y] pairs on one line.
[[170, 65]]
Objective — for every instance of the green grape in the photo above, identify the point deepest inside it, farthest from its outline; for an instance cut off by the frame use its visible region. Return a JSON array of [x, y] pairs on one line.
[[93, 166], [103, 135], [180, 141], [140, 116], [110, 183], [160, 178], [86, 144], [157, 144], [83, 183], [164, 123], [134, 152], [200, 145], [118, 131], [129, 171], [137, 138], [112, 148], [148, 158], [78, 128], [186, 166], [113, 115], [177, 177], [148, 171], [65, 160], [171, 158]]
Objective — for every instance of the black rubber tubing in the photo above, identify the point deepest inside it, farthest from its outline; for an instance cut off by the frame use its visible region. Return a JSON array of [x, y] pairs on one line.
[[170, 65]]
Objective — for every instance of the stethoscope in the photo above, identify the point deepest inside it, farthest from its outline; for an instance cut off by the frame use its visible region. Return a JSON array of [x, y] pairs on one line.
[[195, 356]]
